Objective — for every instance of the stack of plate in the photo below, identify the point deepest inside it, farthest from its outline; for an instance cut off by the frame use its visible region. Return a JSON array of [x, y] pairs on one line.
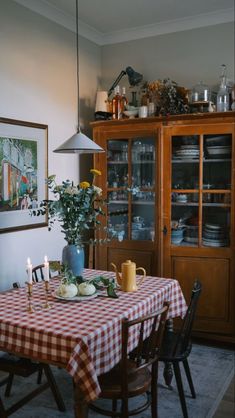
[[191, 234], [187, 151], [215, 235], [219, 151]]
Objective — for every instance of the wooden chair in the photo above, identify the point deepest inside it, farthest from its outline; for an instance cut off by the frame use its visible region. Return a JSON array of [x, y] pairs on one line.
[[138, 375], [25, 368], [38, 271], [177, 346]]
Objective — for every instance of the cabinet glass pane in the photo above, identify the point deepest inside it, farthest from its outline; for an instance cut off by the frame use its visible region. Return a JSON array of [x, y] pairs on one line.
[[185, 162], [131, 188], [143, 162], [143, 217], [117, 172], [217, 161], [216, 227], [184, 219], [117, 215]]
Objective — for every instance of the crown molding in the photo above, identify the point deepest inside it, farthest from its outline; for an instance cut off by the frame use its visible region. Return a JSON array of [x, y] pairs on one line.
[[171, 26], [55, 14]]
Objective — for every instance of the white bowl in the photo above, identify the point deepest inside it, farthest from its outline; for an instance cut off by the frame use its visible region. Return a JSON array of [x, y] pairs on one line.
[[131, 113]]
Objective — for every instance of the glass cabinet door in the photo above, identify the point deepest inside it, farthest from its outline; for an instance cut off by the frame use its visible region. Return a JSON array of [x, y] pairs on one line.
[[131, 175], [201, 190]]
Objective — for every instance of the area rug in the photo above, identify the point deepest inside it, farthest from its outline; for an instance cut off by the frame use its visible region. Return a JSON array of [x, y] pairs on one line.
[[212, 370]]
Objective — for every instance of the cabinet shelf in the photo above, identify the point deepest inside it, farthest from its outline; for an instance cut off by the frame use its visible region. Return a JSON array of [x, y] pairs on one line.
[[117, 162], [133, 202], [217, 205], [143, 162], [196, 160]]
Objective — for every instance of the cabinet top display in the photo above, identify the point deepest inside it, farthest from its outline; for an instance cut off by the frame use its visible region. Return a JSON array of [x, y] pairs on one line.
[[171, 119]]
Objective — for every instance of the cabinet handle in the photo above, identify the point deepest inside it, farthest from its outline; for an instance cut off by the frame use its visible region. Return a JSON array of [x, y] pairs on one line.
[[164, 230]]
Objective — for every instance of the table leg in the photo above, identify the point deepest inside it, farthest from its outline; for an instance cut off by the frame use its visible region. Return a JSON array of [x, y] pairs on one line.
[[168, 372], [80, 405]]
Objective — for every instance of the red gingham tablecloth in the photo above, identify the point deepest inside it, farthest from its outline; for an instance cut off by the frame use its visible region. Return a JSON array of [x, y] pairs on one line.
[[84, 336]]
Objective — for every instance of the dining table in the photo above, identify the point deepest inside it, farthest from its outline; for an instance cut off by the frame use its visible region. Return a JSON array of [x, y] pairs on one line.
[[81, 335]]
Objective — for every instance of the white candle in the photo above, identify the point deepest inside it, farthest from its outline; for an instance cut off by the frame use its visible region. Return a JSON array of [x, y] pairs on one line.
[[29, 268], [46, 267]]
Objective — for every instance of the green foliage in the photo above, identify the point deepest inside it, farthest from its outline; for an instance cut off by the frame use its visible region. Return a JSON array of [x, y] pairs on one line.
[[77, 208], [100, 282]]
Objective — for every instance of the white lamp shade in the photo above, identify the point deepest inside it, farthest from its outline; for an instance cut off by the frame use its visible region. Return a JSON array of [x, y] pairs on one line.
[[79, 143], [101, 101]]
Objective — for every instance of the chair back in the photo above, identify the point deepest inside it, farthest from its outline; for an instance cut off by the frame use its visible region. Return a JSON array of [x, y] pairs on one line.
[[38, 271], [144, 355], [183, 340]]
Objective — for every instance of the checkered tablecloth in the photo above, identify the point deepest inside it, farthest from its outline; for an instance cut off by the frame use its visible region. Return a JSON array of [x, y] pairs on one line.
[[84, 336]]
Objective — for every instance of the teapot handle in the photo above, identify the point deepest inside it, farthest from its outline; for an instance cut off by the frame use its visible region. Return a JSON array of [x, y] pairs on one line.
[[143, 277]]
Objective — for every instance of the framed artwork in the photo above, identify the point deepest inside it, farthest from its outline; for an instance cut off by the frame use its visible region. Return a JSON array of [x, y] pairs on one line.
[[23, 170]]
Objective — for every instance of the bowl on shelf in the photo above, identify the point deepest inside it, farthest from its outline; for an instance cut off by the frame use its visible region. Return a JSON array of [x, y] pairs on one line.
[[131, 114]]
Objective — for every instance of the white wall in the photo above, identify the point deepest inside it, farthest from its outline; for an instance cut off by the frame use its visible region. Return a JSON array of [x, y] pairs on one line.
[[38, 84], [186, 57]]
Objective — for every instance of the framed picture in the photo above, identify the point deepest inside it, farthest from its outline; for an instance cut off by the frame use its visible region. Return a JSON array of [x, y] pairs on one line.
[[23, 170]]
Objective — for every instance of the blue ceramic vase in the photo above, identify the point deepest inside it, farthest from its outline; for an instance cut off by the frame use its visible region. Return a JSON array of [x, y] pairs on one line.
[[73, 257]]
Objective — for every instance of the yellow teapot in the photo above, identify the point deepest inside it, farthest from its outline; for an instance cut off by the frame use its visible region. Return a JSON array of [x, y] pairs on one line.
[[127, 279]]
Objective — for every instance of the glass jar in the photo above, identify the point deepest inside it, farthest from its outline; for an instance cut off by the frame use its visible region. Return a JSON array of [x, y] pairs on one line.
[[200, 93]]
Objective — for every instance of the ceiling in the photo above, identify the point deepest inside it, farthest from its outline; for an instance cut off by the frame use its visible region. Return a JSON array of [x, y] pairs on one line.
[[109, 21]]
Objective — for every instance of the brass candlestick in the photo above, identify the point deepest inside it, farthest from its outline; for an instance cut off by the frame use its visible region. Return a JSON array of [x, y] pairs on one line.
[[47, 291], [30, 293]]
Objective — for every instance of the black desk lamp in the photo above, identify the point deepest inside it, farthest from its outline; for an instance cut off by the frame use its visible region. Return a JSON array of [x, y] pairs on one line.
[[133, 77]]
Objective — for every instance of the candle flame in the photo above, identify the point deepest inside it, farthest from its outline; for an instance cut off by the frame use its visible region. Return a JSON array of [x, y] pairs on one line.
[[46, 259], [28, 261]]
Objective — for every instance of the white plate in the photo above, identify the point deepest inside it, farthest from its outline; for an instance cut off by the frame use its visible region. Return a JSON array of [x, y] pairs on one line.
[[77, 298]]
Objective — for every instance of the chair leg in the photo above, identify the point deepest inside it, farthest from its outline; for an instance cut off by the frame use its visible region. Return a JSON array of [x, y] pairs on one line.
[[189, 377], [54, 388], [154, 405], [3, 413], [114, 405], [39, 378], [9, 384], [124, 410], [180, 388]]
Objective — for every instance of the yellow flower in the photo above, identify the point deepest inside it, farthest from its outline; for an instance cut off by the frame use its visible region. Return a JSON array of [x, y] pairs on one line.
[[84, 184], [95, 172]]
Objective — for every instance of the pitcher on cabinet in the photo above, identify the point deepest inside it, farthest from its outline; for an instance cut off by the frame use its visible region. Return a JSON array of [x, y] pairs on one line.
[[127, 279]]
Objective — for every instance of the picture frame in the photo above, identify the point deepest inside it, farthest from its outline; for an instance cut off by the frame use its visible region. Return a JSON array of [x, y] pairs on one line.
[[23, 171]]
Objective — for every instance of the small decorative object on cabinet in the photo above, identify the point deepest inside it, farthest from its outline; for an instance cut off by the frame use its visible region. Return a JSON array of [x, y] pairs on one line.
[[170, 184]]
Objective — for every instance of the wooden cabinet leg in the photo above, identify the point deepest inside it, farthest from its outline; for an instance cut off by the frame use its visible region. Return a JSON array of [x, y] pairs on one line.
[[168, 371], [80, 405]]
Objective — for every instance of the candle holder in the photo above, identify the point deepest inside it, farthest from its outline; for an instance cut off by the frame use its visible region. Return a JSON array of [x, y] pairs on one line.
[[30, 307], [47, 291]]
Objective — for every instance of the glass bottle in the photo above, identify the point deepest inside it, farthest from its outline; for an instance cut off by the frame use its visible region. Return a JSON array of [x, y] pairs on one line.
[[134, 101], [124, 100], [223, 94], [116, 103]]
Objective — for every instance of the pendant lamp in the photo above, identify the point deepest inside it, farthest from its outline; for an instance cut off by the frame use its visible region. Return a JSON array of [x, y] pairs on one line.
[[78, 143]]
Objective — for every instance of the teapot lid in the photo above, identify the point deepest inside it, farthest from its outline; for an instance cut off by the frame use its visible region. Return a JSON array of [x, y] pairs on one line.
[[129, 262]]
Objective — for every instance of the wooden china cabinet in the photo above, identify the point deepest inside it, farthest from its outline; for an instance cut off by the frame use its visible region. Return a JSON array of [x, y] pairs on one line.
[[169, 184]]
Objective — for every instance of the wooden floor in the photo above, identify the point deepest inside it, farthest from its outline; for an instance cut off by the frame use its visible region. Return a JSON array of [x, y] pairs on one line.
[[226, 407]]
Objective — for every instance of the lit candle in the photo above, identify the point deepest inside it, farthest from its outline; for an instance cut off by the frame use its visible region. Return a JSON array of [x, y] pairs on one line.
[[46, 267], [29, 268]]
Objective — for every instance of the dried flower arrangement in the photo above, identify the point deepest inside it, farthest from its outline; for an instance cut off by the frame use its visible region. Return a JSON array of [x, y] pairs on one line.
[[168, 97]]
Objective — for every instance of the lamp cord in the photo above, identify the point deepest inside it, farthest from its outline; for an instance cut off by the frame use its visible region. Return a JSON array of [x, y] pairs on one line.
[[77, 50]]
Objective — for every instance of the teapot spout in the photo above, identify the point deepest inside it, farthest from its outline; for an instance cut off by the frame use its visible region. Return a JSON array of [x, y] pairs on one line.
[[118, 275]]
